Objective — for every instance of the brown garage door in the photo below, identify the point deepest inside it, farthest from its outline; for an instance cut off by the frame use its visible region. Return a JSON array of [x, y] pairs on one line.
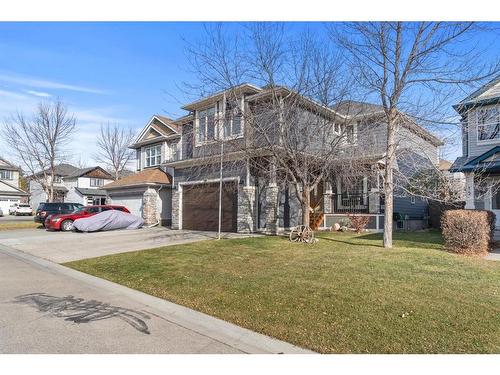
[[200, 207]]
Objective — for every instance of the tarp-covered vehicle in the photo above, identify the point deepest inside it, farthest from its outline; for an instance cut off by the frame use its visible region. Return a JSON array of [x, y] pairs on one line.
[[108, 220]]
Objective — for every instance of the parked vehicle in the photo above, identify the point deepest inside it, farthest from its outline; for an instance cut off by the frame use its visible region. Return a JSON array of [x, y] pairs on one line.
[[44, 210], [17, 209], [108, 220], [65, 222], [1, 212]]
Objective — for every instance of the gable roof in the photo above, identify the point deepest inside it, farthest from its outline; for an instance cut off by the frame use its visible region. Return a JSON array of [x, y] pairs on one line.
[[4, 164], [79, 172], [164, 127], [152, 176], [62, 170], [486, 94]]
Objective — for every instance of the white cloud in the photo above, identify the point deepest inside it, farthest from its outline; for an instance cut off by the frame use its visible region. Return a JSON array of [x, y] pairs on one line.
[[83, 144], [38, 93], [46, 84]]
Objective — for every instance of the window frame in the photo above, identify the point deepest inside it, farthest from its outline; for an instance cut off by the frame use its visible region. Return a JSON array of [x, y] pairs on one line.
[[229, 116], [487, 124], [6, 174], [206, 140], [96, 179], [148, 158]]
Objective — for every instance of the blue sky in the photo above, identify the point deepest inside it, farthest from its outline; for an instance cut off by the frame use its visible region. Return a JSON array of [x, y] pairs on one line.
[[104, 72]]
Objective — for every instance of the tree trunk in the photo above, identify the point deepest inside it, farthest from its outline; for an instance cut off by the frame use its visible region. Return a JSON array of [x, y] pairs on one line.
[[305, 205], [389, 183]]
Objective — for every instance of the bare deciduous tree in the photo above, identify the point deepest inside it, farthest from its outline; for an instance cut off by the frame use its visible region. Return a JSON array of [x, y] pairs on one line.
[[411, 69], [39, 141], [113, 148], [292, 136]]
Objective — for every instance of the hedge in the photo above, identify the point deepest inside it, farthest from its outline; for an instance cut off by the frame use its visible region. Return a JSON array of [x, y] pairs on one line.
[[468, 231]]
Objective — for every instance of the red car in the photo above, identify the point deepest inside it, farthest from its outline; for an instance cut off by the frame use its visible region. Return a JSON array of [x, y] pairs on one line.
[[65, 222]]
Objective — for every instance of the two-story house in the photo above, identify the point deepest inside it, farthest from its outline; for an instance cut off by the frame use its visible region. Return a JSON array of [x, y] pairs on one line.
[[480, 160], [72, 184], [10, 192], [179, 170]]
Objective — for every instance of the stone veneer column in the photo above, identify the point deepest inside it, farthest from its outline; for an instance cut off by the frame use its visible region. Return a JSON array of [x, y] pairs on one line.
[[469, 191], [327, 199], [150, 212], [271, 209], [246, 209], [176, 208]]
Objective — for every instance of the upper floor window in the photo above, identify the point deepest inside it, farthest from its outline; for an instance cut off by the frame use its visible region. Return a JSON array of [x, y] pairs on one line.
[[96, 181], [153, 156], [205, 130], [173, 153], [488, 123], [232, 123], [6, 175], [57, 179]]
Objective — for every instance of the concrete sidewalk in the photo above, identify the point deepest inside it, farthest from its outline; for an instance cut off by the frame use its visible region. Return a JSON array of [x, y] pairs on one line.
[[48, 308]]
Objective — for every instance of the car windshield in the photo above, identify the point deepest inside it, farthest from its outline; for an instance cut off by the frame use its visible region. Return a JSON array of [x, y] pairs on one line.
[[79, 209]]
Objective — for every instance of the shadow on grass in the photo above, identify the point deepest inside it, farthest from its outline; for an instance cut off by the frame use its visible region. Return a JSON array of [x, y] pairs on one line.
[[426, 240]]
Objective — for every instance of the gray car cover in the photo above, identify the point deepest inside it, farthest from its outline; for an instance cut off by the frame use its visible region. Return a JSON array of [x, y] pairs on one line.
[[108, 220]]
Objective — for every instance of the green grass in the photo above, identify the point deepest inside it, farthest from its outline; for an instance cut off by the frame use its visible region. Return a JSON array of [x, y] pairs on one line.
[[345, 294], [9, 225]]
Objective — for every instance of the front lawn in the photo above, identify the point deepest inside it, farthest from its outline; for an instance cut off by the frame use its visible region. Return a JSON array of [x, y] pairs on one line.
[[9, 225], [345, 294]]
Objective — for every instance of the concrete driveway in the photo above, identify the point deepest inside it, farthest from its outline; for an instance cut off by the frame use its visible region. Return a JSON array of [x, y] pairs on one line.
[[63, 247]]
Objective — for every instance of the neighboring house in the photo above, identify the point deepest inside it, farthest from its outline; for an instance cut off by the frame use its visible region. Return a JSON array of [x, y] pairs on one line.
[[10, 192], [251, 203], [75, 185], [480, 160]]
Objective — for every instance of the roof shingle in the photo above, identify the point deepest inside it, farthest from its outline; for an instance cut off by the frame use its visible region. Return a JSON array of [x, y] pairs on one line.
[[153, 176]]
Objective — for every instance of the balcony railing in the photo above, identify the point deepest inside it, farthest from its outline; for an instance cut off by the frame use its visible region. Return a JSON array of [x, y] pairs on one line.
[[347, 202], [372, 203]]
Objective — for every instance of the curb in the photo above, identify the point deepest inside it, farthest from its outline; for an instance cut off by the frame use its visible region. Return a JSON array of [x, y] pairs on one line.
[[237, 337]]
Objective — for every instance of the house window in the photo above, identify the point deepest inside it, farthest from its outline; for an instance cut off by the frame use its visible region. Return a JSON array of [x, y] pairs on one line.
[[153, 156], [96, 181], [350, 133], [232, 123], [206, 125], [57, 179], [172, 152], [6, 175], [488, 123]]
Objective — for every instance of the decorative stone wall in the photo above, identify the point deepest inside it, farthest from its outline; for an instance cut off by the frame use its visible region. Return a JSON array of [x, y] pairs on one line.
[[246, 209], [176, 208], [150, 212], [271, 209]]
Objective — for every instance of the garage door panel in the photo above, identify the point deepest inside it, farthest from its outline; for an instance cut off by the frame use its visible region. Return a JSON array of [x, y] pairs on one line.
[[200, 207], [132, 202]]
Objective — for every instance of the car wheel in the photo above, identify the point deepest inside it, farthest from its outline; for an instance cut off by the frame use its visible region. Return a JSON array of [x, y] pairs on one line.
[[67, 225]]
